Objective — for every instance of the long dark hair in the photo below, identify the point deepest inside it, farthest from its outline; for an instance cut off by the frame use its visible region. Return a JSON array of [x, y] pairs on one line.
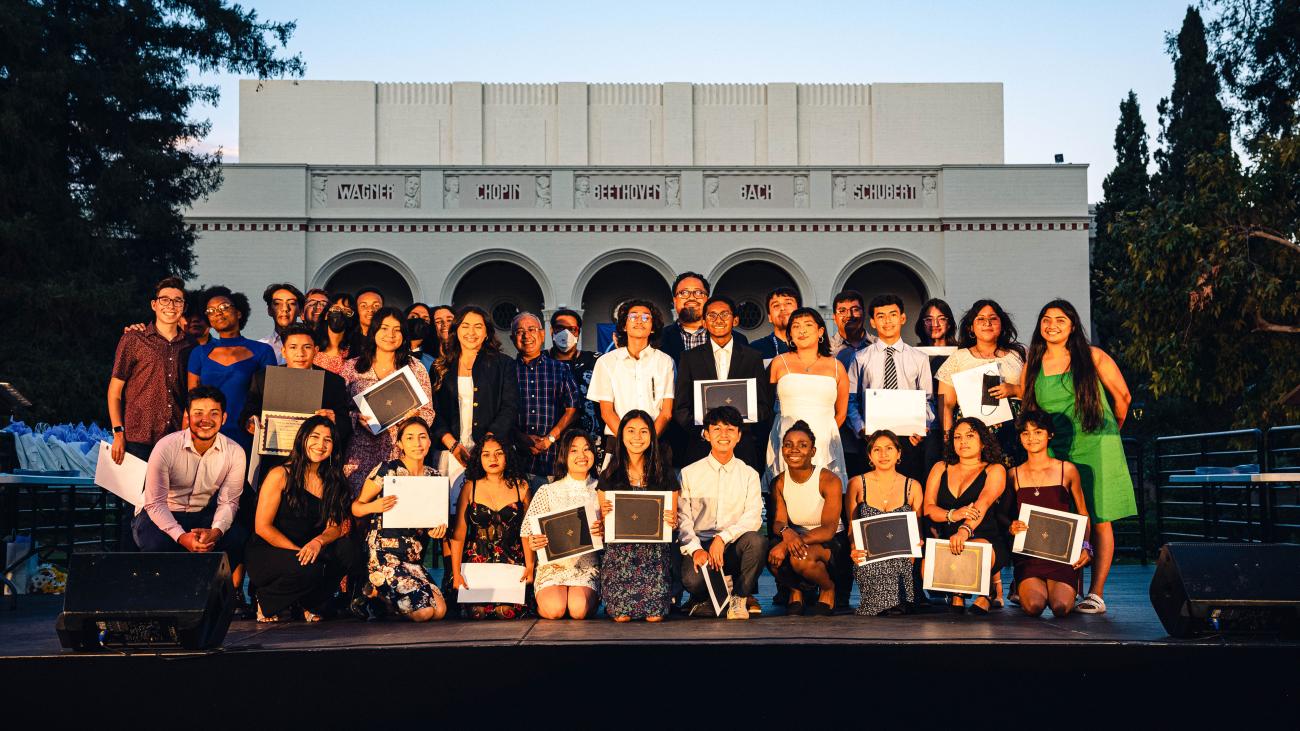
[[366, 358], [562, 447], [1083, 372], [451, 353], [823, 343], [656, 471], [990, 450], [514, 471], [336, 492], [1007, 338], [923, 332], [349, 331]]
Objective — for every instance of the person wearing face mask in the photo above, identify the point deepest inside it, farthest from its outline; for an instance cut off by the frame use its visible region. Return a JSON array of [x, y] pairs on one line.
[[566, 339], [283, 303], [419, 328], [548, 398], [335, 332]]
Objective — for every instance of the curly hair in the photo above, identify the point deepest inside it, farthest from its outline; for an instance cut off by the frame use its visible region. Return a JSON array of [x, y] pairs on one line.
[[990, 450], [1006, 337], [620, 321], [238, 299], [514, 471]]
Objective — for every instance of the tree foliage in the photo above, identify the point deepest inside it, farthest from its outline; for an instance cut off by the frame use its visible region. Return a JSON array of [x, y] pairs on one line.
[[1209, 286], [97, 163], [1126, 188], [1257, 47]]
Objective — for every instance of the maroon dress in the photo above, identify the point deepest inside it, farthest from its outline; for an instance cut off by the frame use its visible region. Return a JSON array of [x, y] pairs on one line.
[[1056, 497]]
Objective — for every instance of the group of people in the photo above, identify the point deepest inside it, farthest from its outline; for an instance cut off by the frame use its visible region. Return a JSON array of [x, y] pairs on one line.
[[560, 427]]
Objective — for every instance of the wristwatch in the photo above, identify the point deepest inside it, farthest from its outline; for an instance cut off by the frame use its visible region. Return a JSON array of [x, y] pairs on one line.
[[550, 438], [119, 430]]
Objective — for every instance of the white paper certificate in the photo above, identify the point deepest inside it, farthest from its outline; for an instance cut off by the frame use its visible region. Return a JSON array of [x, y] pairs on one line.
[[491, 582], [279, 429], [1058, 535], [124, 480], [937, 350], [899, 411], [741, 393], [422, 502], [969, 385]]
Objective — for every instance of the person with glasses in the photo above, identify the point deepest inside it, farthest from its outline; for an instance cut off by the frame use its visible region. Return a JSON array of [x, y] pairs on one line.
[[548, 398], [566, 347], [987, 336], [690, 291], [936, 328], [636, 375], [313, 309], [335, 332], [283, 303], [850, 334], [145, 396], [229, 360]]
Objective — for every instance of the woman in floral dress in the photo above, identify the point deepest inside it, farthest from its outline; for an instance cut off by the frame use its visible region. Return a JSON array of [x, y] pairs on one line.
[[489, 516], [395, 556], [634, 578]]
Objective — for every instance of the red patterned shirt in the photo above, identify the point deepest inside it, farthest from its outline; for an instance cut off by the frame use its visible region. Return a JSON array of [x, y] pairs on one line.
[[153, 399]]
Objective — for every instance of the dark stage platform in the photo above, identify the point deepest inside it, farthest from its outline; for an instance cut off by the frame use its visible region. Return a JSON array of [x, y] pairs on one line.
[[1124, 655]]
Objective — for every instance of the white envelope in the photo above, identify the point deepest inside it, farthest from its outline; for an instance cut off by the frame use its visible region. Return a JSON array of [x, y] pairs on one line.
[[422, 502], [492, 582], [899, 411], [124, 480], [969, 385], [937, 350]]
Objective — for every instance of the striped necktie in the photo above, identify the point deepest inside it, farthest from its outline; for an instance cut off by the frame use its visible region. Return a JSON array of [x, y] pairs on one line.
[[891, 370]]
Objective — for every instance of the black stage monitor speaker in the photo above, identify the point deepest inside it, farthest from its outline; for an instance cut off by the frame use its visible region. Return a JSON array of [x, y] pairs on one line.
[[1230, 588], [146, 601]]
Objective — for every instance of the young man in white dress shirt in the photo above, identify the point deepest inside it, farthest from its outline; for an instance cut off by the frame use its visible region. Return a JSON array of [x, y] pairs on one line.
[[636, 375], [890, 363], [719, 512]]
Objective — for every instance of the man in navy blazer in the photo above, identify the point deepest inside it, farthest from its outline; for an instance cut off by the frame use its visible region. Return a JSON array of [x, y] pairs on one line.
[[690, 290], [722, 356]]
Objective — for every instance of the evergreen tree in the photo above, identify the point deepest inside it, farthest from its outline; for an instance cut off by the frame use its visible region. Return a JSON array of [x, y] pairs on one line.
[[1257, 48], [1125, 190], [1192, 118], [97, 165]]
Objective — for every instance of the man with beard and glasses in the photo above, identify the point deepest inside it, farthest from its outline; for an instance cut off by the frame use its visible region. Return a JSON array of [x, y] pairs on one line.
[[690, 291], [193, 484], [781, 303], [283, 303]]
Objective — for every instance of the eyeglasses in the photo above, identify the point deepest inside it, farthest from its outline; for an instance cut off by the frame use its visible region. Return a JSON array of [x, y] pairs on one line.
[[368, 307], [570, 328], [990, 320], [689, 293], [719, 316], [344, 310], [854, 310], [529, 331], [639, 317], [935, 320], [172, 302], [219, 309]]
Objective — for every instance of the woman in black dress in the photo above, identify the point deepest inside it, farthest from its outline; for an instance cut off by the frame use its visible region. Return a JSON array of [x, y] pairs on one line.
[[296, 560], [963, 498]]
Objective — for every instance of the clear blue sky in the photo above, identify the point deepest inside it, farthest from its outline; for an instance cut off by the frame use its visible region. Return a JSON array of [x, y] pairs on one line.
[[1065, 65]]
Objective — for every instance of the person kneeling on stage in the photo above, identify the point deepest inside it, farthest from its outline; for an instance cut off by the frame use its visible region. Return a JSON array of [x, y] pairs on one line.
[[193, 483], [395, 556], [719, 512], [807, 499], [296, 560]]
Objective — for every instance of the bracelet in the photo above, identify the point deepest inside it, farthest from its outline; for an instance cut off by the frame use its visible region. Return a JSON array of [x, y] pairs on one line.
[[1087, 546], [949, 515], [969, 530]]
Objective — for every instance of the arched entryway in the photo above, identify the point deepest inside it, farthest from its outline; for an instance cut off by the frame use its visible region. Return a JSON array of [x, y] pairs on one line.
[[891, 277], [614, 283], [502, 288], [748, 283], [367, 273]]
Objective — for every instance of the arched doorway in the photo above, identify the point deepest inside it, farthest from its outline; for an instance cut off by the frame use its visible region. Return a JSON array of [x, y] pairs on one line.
[[360, 274], [889, 277], [614, 283], [748, 284], [502, 288]]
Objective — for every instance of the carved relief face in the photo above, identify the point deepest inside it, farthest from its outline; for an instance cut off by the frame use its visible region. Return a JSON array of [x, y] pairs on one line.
[[800, 184], [412, 185], [584, 184], [543, 182], [452, 185], [711, 185], [673, 184]]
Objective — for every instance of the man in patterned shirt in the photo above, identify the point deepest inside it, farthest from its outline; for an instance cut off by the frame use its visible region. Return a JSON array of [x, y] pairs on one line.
[[548, 397], [566, 339]]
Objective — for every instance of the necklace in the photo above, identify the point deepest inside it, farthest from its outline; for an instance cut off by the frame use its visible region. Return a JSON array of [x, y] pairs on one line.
[[807, 368], [975, 351]]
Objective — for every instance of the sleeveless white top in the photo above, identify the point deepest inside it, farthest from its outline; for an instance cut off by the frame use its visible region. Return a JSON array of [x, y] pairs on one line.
[[465, 395], [804, 502]]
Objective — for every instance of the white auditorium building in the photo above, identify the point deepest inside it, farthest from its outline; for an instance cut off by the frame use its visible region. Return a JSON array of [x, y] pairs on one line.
[[541, 196]]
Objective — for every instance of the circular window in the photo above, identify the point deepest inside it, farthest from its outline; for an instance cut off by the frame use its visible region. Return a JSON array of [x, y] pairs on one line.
[[503, 313], [750, 314]]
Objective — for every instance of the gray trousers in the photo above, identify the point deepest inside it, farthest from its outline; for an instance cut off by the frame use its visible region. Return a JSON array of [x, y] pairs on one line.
[[743, 560]]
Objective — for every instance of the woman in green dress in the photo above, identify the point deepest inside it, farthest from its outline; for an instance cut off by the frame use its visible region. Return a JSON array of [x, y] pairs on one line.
[[1064, 376]]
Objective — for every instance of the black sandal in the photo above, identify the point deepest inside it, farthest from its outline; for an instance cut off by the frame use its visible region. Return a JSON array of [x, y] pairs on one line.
[[975, 608], [794, 609], [819, 609]]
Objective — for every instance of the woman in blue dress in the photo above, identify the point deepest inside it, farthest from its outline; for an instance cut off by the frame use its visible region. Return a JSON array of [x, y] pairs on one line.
[[229, 360]]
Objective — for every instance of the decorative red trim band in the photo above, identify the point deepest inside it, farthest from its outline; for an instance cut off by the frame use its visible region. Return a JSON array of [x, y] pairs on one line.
[[367, 228]]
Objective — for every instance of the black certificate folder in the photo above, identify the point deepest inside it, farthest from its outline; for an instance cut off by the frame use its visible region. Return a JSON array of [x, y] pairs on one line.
[[1053, 535], [638, 517], [567, 533], [726, 393], [887, 537], [391, 399]]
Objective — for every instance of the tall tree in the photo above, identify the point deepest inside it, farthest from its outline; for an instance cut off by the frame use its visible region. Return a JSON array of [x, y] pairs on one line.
[[1126, 189], [97, 163], [1257, 47], [1192, 118]]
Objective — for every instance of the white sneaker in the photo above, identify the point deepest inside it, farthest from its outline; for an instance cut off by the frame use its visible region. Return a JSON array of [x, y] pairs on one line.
[[738, 610], [1091, 604]]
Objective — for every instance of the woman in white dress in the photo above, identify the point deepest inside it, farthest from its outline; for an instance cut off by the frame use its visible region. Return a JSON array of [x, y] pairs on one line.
[[811, 386], [570, 586]]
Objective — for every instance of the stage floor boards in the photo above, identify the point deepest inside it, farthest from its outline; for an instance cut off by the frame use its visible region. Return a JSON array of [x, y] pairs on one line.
[[29, 630]]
